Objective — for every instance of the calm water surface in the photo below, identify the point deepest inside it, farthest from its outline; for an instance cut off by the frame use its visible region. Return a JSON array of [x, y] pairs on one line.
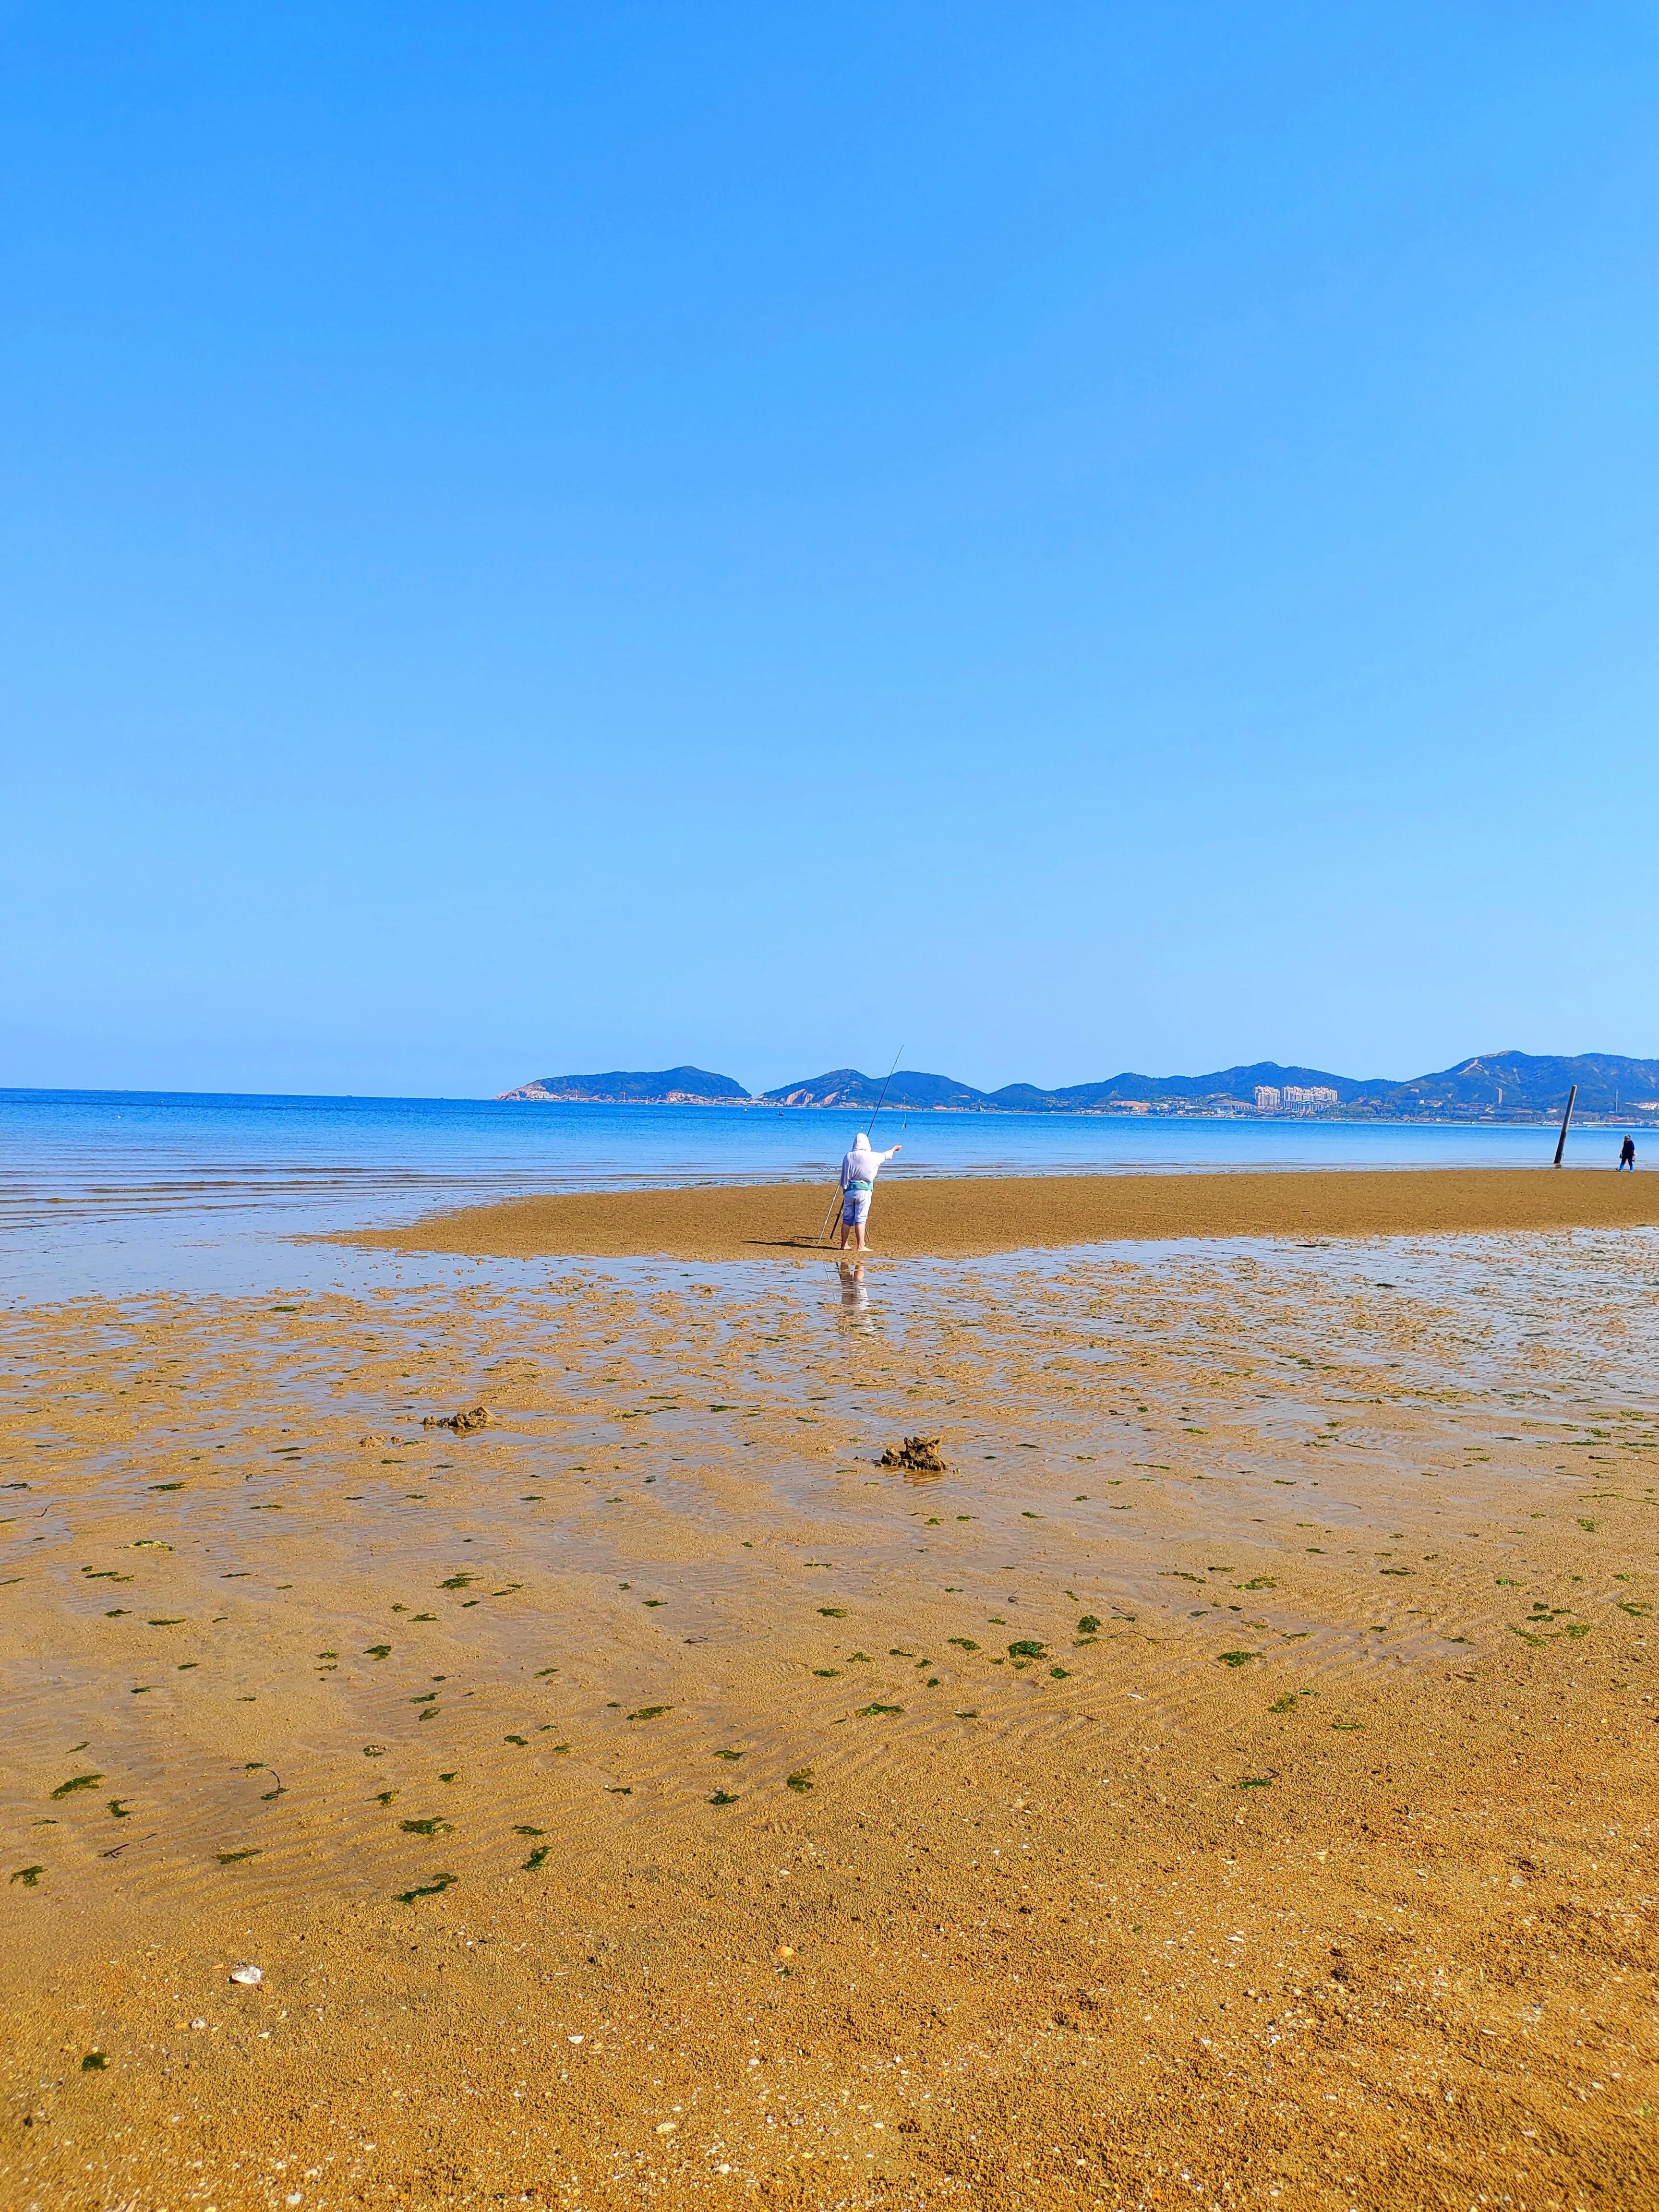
[[119, 1191]]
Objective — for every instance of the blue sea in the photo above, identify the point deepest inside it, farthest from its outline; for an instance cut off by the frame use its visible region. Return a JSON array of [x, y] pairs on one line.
[[127, 1191]]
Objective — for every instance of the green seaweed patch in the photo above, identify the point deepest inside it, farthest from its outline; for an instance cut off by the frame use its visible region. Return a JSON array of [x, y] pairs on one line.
[[94, 2063], [1256, 1781], [1060, 1674], [537, 1859], [432, 1825], [459, 1582], [235, 1858], [76, 1782], [1261, 1582], [1235, 1658], [1089, 1626], [370, 1651], [28, 1876], [650, 1712], [832, 1611], [524, 1829], [1284, 1705], [435, 1888], [801, 1779], [865, 1711], [728, 1754], [723, 1797], [826, 1673], [963, 1643], [1028, 1648]]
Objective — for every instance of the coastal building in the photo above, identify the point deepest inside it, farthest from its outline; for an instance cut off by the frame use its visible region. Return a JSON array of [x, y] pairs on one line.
[[1293, 1098]]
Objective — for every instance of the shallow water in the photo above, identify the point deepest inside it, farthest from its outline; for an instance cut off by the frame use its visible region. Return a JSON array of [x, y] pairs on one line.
[[115, 1191], [250, 1624]]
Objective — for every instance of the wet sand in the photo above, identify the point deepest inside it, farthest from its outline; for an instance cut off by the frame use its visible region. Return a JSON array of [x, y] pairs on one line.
[[1230, 1784], [971, 1217]]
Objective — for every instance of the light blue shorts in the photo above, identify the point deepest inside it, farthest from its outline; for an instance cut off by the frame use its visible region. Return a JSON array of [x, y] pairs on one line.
[[856, 1206]]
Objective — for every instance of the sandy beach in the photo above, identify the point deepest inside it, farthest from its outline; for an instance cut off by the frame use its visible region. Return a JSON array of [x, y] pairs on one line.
[[617, 612], [970, 1217], [1228, 1783]]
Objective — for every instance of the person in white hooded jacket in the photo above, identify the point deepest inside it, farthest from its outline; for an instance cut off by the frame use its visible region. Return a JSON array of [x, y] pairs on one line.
[[859, 1171]]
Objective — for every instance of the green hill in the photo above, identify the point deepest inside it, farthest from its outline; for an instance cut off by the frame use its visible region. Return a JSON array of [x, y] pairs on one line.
[[668, 1086]]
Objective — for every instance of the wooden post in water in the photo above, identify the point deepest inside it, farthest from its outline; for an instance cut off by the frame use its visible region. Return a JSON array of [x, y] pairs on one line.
[[1561, 1141]]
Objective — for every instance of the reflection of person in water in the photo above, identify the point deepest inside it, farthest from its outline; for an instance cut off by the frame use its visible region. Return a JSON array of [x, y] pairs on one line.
[[853, 1295]]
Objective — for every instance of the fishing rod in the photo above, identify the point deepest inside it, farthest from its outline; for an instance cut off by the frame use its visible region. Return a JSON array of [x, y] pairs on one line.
[[824, 1230]]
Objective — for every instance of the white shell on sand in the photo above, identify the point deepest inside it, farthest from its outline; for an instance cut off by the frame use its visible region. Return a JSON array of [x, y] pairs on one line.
[[246, 1975]]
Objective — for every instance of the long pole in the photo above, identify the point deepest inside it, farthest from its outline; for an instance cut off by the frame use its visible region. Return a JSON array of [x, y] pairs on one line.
[[1561, 1141], [882, 1101], [823, 1227]]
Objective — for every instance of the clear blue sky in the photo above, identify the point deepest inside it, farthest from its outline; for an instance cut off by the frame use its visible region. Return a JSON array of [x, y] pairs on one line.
[[537, 537]]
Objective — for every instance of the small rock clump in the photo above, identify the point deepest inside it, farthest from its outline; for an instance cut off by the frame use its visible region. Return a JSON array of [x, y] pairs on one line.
[[920, 1455], [464, 1423]]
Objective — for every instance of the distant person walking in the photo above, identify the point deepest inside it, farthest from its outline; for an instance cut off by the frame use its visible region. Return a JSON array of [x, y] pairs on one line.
[[1627, 1154], [859, 1171]]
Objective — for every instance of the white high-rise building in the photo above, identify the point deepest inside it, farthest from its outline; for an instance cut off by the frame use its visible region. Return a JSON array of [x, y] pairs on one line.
[[1293, 1098]]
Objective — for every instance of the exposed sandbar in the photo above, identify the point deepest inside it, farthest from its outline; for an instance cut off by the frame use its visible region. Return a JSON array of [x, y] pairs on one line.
[[968, 1217], [651, 1803]]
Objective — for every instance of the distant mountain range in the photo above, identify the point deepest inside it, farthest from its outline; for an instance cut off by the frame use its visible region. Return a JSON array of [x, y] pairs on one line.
[[1493, 1086]]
